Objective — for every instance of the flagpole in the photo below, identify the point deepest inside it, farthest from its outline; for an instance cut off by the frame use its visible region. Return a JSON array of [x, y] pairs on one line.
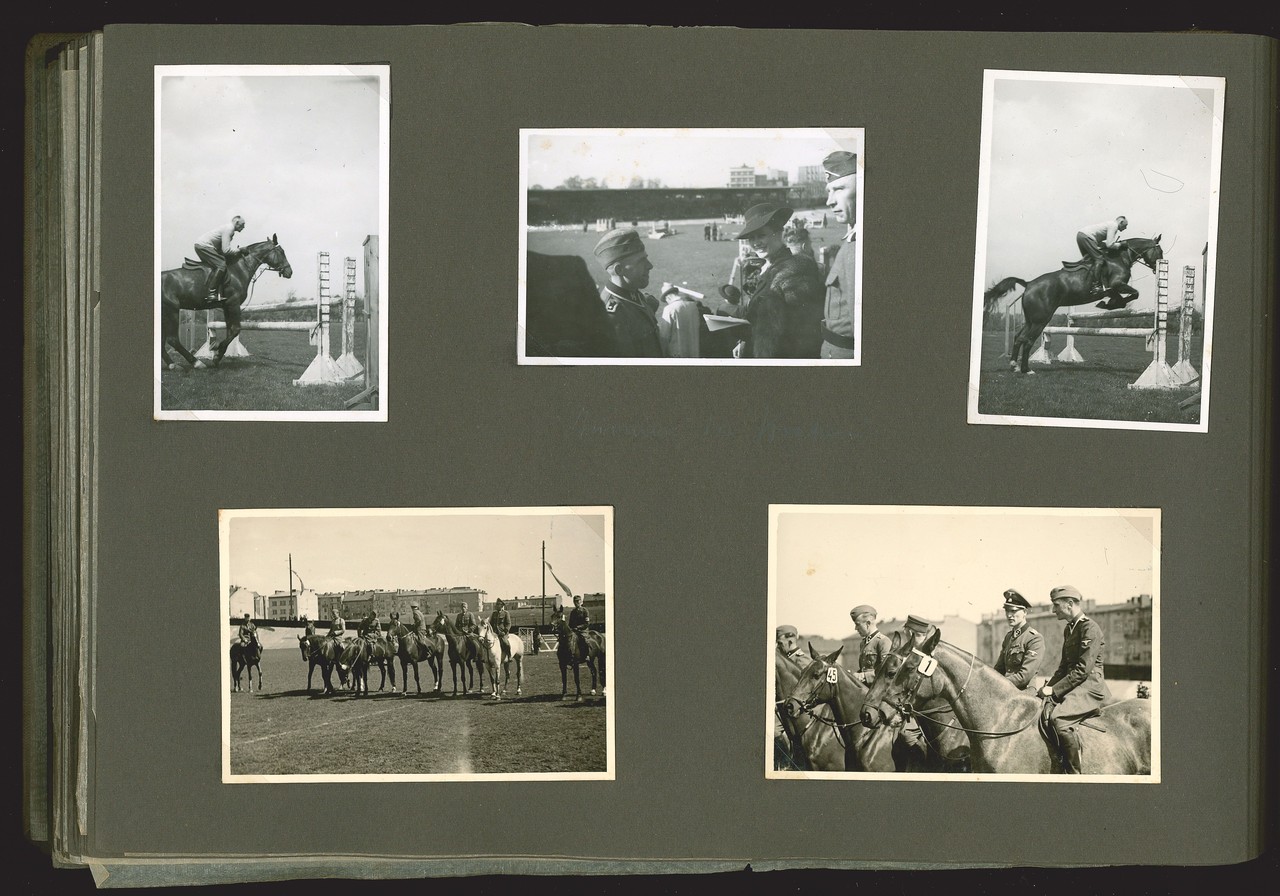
[[544, 583]]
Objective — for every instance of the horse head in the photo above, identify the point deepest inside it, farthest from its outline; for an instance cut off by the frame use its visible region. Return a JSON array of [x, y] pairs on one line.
[[901, 679], [1147, 251], [815, 685], [304, 644], [270, 253]]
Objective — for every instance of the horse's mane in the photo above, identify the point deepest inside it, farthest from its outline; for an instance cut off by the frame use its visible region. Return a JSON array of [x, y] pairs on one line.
[[979, 666]]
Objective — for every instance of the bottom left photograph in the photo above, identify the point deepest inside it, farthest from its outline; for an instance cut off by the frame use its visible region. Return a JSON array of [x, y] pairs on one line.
[[348, 633]]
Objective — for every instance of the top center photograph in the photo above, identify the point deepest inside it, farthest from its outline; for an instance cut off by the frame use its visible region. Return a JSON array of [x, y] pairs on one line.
[[691, 246]]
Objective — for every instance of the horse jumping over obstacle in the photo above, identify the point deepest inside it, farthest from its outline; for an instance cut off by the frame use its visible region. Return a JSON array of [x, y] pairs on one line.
[[1069, 286], [184, 288]]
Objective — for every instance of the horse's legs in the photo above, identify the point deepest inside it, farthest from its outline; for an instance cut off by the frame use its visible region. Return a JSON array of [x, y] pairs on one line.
[[577, 684], [519, 674]]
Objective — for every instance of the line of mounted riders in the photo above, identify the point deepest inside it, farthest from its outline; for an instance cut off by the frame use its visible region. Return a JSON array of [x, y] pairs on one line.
[[929, 706], [470, 645]]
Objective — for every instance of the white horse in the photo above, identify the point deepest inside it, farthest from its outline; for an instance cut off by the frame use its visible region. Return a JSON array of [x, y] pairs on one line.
[[489, 638]]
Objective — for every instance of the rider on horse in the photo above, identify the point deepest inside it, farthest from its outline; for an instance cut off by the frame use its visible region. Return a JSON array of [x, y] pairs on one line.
[[875, 644], [418, 621], [1077, 689], [579, 621], [500, 622], [1094, 241], [213, 249], [1023, 646], [248, 633], [338, 626]]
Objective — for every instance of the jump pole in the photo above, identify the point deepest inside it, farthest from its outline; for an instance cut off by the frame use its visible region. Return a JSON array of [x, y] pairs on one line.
[[1184, 370], [347, 362], [323, 369]]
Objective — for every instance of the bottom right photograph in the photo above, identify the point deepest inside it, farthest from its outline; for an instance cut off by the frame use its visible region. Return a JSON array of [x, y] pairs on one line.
[[964, 643]]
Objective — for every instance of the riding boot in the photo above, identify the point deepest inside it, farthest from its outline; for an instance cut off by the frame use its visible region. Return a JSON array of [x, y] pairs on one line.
[[215, 283], [1069, 741]]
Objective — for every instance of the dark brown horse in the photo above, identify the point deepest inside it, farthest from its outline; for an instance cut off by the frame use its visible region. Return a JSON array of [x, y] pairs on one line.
[[246, 656], [411, 648], [361, 653], [1069, 286], [322, 651], [574, 649], [464, 650], [184, 288], [1000, 720], [808, 741]]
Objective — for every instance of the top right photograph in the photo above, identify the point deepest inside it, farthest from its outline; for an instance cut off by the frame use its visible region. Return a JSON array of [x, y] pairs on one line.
[[1096, 245]]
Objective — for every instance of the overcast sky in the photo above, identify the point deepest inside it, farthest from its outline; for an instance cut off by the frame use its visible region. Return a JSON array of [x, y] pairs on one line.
[[690, 157], [497, 552], [295, 155], [935, 562], [1068, 154]]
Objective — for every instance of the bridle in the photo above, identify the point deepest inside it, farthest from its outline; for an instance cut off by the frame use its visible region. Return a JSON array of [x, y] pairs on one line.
[[904, 706], [830, 679]]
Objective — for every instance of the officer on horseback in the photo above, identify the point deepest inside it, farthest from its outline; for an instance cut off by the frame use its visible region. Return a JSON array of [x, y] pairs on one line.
[[579, 620], [248, 633], [214, 248], [1023, 646], [500, 622], [338, 627], [466, 621], [1094, 241], [911, 736], [418, 620], [1077, 689], [786, 640]]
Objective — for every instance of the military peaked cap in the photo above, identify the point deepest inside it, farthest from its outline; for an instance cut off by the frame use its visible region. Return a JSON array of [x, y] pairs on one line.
[[1015, 601], [916, 624]]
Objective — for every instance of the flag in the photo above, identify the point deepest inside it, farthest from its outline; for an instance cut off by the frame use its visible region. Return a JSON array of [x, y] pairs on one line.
[[563, 587]]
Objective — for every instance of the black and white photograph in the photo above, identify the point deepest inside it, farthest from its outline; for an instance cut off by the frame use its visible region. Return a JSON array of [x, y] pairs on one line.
[[1096, 244], [417, 644], [271, 206], [691, 246], [964, 643]]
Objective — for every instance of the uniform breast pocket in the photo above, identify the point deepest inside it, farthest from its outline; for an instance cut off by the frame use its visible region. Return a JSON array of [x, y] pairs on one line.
[[1015, 656]]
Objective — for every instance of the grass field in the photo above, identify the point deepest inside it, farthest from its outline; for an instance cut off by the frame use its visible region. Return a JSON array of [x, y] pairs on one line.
[[285, 729], [1098, 389], [264, 380]]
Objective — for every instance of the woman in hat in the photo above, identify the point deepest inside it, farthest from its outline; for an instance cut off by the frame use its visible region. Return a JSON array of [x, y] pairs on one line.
[[785, 305]]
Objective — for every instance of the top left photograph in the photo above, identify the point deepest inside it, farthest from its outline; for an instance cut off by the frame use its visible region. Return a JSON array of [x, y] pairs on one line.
[[271, 204]]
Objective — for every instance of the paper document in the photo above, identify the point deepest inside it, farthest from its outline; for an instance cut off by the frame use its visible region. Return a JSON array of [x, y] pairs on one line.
[[721, 322]]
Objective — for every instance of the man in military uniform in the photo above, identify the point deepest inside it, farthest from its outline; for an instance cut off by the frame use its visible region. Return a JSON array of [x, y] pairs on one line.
[[1023, 646], [213, 249], [500, 622], [875, 643], [911, 737], [632, 314], [579, 620], [338, 627], [1077, 689], [787, 641], [466, 621], [418, 621], [370, 630], [248, 633], [839, 316]]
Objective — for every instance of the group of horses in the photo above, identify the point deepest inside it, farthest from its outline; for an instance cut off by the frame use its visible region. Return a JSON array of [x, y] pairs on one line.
[[971, 718], [472, 653]]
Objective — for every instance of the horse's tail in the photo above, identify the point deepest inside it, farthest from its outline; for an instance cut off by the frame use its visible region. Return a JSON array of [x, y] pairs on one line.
[[1000, 290]]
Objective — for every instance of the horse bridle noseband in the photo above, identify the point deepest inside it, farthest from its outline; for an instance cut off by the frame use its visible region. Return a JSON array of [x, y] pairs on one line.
[[905, 708]]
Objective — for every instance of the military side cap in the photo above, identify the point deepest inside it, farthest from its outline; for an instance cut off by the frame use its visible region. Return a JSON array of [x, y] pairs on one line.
[[760, 216], [916, 624], [1015, 601], [861, 609], [840, 164], [618, 244], [785, 630], [1066, 592]]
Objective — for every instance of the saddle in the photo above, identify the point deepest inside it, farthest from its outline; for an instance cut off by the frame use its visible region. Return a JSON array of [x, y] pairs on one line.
[[194, 264]]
